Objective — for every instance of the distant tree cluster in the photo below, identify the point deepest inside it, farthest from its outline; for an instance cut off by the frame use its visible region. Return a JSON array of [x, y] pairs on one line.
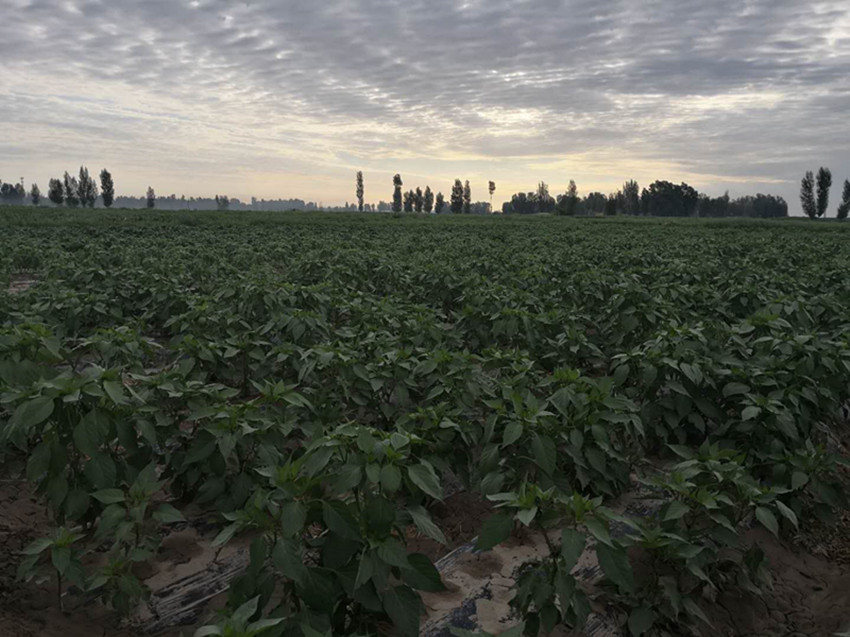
[[414, 200], [660, 199], [814, 195], [12, 193], [79, 191]]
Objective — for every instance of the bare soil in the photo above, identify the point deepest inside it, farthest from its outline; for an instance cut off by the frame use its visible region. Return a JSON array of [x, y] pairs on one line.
[[460, 517], [811, 594]]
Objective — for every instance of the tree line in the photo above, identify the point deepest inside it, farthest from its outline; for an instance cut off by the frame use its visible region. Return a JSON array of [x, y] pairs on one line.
[[72, 191], [660, 199], [814, 195], [425, 201]]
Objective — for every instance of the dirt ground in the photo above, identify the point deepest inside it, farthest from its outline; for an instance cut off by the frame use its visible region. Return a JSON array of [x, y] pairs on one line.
[[811, 594]]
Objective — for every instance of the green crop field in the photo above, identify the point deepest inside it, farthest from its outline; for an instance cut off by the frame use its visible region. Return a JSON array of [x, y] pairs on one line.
[[316, 384]]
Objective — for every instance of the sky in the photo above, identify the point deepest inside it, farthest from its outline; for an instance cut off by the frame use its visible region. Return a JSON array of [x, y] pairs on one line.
[[288, 98]]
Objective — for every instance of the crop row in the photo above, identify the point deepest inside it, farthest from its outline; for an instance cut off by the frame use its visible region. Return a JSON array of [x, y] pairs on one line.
[[315, 381]]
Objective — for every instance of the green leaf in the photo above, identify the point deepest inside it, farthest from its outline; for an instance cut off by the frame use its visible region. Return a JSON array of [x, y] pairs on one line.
[[599, 530], [91, 432], [109, 496], [693, 610], [243, 614], [392, 552], [424, 477], [261, 625], [33, 412], [615, 565], [293, 516], [390, 478], [422, 574], [115, 390], [288, 560], [101, 471], [799, 480], [76, 504], [750, 413], [640, 621], [225, 535], [37, 546], [348, 477], [494, 531], [167, 514], [526, 516], [572, 545], [735, 389], [787, 513], [339, 520], [39, 462], [425, 525], [61, 558], [402, 605], [675, 510], [512, 433], [768, 520], [545, 454], [379, 515]]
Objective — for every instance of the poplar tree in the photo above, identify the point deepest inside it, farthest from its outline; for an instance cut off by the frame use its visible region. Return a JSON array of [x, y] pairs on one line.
[[807, 195], [844, 208], [72, 200], [428, 203], [397, 197], [107, 188], [55, 191], [456, 205], [359, 191], [824, 183]]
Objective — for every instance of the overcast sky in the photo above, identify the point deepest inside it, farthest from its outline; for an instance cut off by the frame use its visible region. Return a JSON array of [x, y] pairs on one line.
[[288, 98]]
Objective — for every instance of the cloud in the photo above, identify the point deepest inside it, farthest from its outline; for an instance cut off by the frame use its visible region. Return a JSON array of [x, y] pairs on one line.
[[260, 95]]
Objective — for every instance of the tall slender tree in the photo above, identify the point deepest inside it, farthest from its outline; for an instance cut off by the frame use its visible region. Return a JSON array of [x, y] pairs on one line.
[[631, 197], [807, 195], [439, 203], [86, 188], [418, 199], [467, 198], [545, 202], [35, 194], [491, 188], [150, 196], [55, 191], [72, 199], [428, 200], [456, 202], [844, 208], [359, 190], [409, 197], [107, 188], [568, 202], [824, 183], [397, 197]]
